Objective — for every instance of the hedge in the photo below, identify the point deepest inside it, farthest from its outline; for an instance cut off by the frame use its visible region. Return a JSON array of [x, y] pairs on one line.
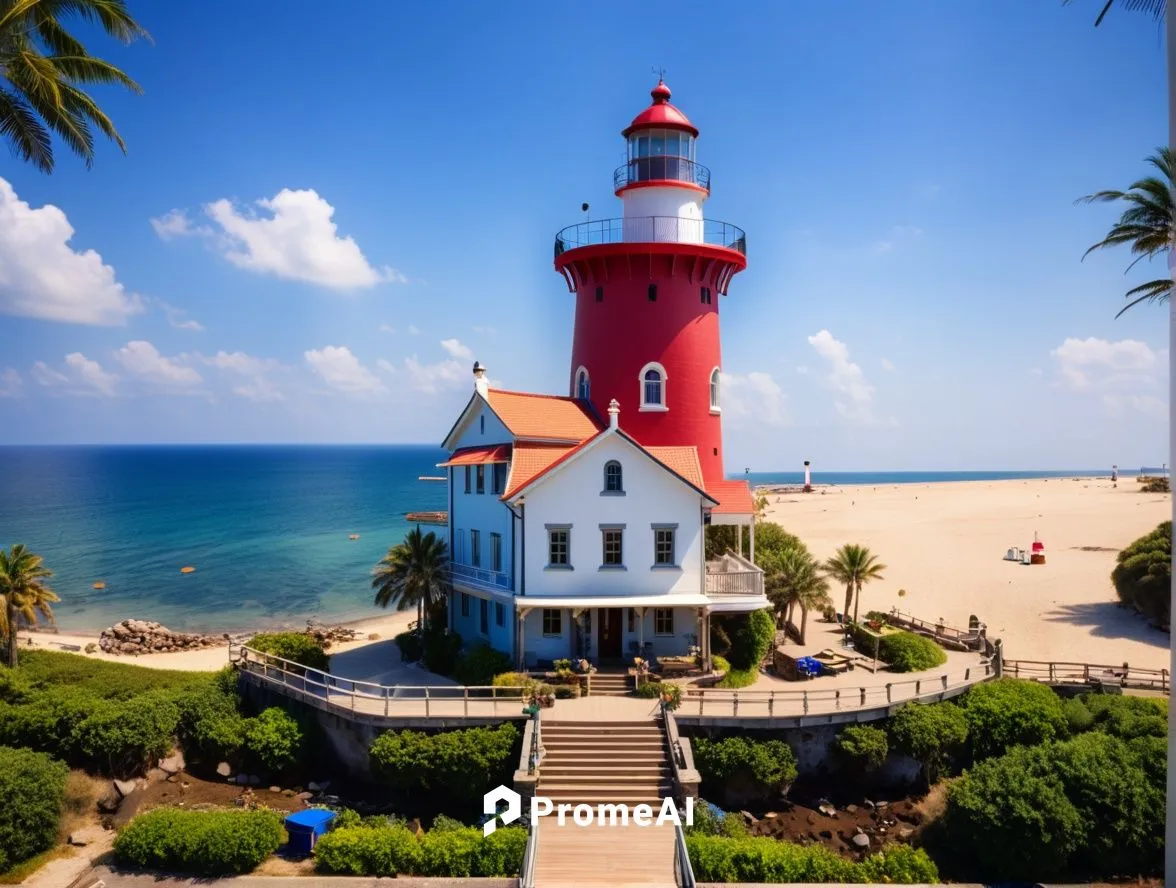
[[752, 639], [930, 734], [393, 850], [296, 646], [32, 793], [1012, 712], [273, 739], [1126, 717], [908, 652], [479, 665], [203, 843], [125, 739], [736, 769], [767, 860], [862, 748], [1143, 575]]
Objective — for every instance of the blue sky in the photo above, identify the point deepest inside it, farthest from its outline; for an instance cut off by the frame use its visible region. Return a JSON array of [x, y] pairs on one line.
[[905, 172]]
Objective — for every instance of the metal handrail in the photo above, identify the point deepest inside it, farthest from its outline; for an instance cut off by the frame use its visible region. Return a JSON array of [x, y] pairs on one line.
[[536, 754], [530, 854], [661, 168], [651, 229], [683, 871], [496, 579]]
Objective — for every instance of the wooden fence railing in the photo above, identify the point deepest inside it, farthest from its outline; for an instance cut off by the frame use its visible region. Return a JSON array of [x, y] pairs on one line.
[[1056, 673]]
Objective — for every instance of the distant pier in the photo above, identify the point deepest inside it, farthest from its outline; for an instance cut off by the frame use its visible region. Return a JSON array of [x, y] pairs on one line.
[[432, 478], [428, 517]]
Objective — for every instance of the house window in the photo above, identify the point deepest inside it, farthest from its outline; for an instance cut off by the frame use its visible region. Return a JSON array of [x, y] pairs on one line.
[[714, 389], [613, 554], [496, 552], [557, 546], [482, 425], [481, 470], [600, 294], [583, 385], [663, 547], [484, 616], [653, 292], [653, 387], [706, 295], [663, 621], [476, 548], [499, 481], [465, 604], [499, 614], [613, 477], [552, 621], [469, 474]]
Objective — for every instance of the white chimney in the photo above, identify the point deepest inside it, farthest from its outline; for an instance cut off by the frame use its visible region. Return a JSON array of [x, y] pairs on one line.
[[614, 412], [481, 383]]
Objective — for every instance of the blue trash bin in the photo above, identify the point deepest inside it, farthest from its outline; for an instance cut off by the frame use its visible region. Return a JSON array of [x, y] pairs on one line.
[[305, 827]]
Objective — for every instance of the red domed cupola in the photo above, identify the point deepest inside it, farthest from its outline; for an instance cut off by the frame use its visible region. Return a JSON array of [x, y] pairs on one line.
[[660, 148], [661, 114]]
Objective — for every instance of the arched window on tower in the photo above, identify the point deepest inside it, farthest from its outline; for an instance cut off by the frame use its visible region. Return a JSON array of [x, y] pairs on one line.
[[714, 391], [653, 387], [613, 479], [583, 385]]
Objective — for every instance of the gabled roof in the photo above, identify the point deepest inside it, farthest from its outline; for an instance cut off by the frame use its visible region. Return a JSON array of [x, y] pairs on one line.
[[544, 417], [682, 460], [734, 498], [530, 461], [473, 456]]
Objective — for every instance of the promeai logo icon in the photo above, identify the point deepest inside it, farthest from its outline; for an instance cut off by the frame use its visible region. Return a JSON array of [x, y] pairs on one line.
[[602, 814]]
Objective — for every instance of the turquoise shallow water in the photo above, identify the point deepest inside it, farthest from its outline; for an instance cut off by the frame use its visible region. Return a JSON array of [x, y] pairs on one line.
[[266, 528]]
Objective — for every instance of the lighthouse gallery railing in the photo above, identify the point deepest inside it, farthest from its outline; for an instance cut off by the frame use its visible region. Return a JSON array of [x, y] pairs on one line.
[[651, 229]]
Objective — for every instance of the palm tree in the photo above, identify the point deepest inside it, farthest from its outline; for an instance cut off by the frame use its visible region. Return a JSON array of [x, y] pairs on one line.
[[23, 593], [854, 566], [1146, 225], [793, 578], [1157, 9], [414, 572], [41, 69]]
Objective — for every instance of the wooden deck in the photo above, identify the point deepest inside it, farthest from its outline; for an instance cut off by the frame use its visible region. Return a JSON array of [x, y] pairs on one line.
[[1094, 675], [603, 856]]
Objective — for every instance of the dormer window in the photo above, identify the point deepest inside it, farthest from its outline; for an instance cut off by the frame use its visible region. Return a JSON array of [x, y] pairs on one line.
[[613, 478], [714, 391], [653, 387], [583, 385]]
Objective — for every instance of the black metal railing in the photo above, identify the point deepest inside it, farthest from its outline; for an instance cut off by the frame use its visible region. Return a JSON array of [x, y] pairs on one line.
[[654, 169], [651, 229]]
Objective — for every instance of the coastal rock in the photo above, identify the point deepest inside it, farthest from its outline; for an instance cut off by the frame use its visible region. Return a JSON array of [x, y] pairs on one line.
[[134, 637], [320, 786], [861, 840], [173, 764], [109, 801], [125, 787], [224, 769]]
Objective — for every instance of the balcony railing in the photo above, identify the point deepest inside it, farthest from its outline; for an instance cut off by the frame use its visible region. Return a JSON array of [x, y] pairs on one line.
[[733, 575], [660, 169], [652, 229], [479, 576]]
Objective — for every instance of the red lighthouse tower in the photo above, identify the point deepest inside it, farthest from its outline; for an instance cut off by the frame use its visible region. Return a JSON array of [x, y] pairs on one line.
[[647, 291]]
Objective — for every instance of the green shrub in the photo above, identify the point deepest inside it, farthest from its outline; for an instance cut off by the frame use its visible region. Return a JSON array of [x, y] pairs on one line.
[[862, 748], [368, 851], [14, 687], [1143, 575], [908, 652], [273, 739], [411, 646], [720, 664], [126, 738], [1127, 717], [203, 843], [465, 764], [930, 734], [442, 650], [102, 678], [738, 769], [211, 724], [1078, 717], [711, 820], [1011, 712], [48, 721], [296, 646], [738, 678], [32, 787], [478, 666], [752, 639], [767, 860], [452, 851]]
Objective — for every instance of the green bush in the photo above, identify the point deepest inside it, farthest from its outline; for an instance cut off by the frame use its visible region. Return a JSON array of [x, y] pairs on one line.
[[711, 820], [1087, 808], [1125, 717], [738, 678], [1011, 712], [1078, 717], [737, 769], [464, 764], [411, 646], [908, 652], [767, 860], [273, 739], [32, 787], [930, 734], [442, 650], [452, 851], [1143, 575], [49, 720], [102, 678], [203, 843], [126, 738], [211, 724], [862, 748], [752, 639], [478, 666], [720, 664], [296, 646]]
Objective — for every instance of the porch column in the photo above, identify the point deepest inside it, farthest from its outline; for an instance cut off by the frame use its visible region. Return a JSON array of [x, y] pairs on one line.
[[521, 634], [751, 539], [640, 611], [739, 538], [706, 640], [576, 613]]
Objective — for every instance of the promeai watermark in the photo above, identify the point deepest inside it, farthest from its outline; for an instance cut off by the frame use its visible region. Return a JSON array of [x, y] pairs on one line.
[[601, 814]]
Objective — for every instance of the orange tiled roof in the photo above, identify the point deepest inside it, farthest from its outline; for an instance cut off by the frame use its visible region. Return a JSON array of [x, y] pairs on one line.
[[550, 417], [734, 497], [531, 461], [472, 456], [682, 461]]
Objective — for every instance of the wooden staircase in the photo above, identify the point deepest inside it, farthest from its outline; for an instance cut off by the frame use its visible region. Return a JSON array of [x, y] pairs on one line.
[[611, 684], [601, 763]]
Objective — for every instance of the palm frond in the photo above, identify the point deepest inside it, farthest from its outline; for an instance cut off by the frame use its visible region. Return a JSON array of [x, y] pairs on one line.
[[23, 130], [1153, 291], [1157, 9]]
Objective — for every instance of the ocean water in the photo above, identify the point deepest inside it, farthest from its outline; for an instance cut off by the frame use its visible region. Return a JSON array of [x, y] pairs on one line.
[[265, 527]]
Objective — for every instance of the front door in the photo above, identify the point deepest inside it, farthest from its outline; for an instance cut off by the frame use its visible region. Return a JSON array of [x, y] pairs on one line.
[[609, 633]]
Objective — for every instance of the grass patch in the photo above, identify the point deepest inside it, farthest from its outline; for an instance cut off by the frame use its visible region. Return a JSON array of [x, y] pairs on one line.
[[738, 678], [26, 868], [111, 681]]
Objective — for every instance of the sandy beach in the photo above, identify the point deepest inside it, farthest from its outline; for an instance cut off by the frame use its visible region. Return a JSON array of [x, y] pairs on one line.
[[945, 543]]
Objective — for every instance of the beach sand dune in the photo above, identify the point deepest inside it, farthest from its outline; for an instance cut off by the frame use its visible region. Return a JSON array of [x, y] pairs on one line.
[[945, 543]]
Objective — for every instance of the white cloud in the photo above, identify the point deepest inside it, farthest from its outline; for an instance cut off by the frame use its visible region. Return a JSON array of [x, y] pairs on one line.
[[429, 378], [888, 365], [1126, 374], [143, 360], [10, 383], [79, 376], [41, 276], [261, 390], [239, 362], [413, 330], [294, 237], [846, 378], [175, 317], [457, 350], [387, 328], [754, 395], [387, 366], [802, 370], [341, 370]]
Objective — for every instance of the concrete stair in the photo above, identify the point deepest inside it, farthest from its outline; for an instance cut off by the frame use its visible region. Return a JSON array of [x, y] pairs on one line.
[[610, 762], [611, 684]]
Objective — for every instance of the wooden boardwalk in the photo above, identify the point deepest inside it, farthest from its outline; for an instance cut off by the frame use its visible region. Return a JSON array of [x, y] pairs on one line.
[[603, 856]]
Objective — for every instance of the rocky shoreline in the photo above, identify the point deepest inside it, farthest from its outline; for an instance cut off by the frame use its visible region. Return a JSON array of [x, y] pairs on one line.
[[135, 637]]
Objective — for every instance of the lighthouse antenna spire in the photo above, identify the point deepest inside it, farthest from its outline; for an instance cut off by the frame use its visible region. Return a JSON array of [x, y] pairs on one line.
[[661, 74]]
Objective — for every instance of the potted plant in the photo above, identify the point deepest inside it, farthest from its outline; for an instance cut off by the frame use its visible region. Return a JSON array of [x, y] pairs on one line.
[[671, 696]]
